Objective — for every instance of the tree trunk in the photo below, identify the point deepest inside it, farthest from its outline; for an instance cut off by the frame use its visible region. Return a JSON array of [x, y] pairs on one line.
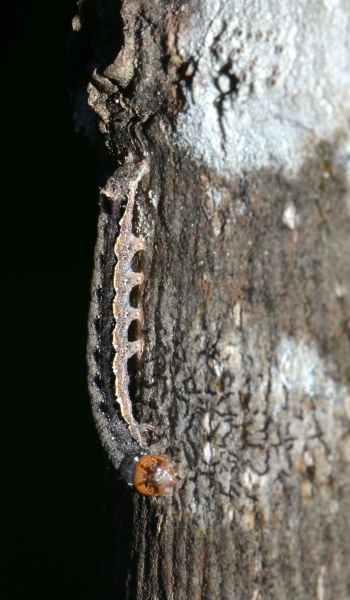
[[242, 111]]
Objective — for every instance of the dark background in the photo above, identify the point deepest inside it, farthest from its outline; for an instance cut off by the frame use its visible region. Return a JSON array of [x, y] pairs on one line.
[[52, 467]]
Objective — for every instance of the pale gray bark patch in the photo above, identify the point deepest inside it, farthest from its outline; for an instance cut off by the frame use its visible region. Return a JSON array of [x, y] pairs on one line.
[[269, 81], [244, 379]]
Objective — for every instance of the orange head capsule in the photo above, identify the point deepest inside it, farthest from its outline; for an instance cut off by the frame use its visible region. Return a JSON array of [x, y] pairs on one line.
[[150, 474]]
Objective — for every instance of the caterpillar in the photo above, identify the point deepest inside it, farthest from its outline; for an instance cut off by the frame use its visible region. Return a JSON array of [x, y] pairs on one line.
[[109, 348]]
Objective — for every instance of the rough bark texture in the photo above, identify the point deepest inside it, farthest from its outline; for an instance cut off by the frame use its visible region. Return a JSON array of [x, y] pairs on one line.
[[243, 115]]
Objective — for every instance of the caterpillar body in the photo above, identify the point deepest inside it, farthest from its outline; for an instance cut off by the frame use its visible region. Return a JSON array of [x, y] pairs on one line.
[[109, 348]]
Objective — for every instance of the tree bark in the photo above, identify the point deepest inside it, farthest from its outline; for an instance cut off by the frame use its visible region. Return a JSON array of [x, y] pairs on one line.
[[242, 111]]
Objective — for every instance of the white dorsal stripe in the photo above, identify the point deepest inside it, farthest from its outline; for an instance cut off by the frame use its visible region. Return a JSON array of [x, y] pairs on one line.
[[124, 279]]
